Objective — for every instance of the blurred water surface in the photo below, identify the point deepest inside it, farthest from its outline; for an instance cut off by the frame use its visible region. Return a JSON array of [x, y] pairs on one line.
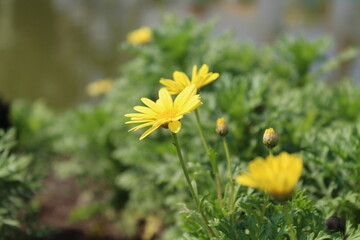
[[50, 49]]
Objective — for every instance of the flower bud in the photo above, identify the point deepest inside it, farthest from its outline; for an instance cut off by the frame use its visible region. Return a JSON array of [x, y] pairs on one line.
[[336, 224], [221, 127], [270, 138]]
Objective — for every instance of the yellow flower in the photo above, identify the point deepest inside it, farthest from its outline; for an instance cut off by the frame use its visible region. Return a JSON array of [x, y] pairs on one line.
[[277, 175], [140, 36], [221, 127], [99, 87], [164, 112], [181, 80]]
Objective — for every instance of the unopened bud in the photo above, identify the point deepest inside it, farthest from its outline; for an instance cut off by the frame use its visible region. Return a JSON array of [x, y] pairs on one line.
[[221, 127], [336, 224], [270, 138]]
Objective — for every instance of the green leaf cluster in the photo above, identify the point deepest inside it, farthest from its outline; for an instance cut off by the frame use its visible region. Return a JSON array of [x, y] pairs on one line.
[[16, 189]]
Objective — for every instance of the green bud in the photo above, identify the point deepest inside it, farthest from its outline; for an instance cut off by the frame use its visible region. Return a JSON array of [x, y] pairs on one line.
[[221, 127], [270, 138]]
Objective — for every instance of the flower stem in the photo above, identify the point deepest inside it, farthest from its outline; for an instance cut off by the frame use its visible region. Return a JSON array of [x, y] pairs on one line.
[[201, 131], [231, 180], [213, 161], [219, 192], [270, 152], [187, 177]]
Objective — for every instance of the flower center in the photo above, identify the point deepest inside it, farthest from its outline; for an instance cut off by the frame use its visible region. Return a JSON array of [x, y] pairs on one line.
[[168, 114]]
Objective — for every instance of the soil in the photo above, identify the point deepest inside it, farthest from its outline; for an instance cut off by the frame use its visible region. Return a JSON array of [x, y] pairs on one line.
[[57, 199]]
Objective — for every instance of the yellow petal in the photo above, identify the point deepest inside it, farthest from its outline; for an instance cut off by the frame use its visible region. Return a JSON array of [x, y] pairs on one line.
[[246, 180], [212, 77], [144, 110], [203, 70], [194, 74], [151, 104], [147, 132], [141, 126], [172, 86], [181, 78], [175, 126], [138, 121], [165, 99], [160, 122], [136, 115], [193, 103], [184, 96]]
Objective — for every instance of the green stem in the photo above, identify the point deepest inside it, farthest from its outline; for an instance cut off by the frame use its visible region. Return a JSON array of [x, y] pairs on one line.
[[187, 177], [270, 152], [218, 185], [213, 164], [231, 179], [201, 131], [289, 221]]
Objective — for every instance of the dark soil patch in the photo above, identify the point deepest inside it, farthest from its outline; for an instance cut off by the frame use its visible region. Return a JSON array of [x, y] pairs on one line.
[[57, 199]]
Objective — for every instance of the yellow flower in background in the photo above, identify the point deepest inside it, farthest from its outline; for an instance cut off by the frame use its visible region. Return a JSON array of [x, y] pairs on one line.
[[153, 226], [181, 80], [99, 87], [164, 112], [140, 36], [277, 175]]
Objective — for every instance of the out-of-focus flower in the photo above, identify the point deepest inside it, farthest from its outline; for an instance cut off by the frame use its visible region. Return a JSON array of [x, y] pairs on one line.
[[152, 228], [277, 175], [165, 112], [181, 80], [270, 138], [221, 127], [140, 36], [99, 87]]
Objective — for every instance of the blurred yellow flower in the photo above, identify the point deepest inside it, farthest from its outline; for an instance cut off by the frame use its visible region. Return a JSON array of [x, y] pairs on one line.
[[140, 36], [99, 87], [164, 112], [181, 80], [153, 225], [277, 175]]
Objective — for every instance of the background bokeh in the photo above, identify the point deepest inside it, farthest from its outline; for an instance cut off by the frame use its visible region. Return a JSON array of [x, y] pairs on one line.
[[51, 49]]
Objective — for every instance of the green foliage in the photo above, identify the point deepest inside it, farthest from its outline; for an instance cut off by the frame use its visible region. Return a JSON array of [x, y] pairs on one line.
[[16, 188], [259, 87], [33, 124], [273, 86]]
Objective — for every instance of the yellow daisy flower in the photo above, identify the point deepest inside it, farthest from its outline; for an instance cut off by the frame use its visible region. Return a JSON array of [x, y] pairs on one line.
[[181, 80], [99, 87], [164, 112], [277, 175], [140, 36]]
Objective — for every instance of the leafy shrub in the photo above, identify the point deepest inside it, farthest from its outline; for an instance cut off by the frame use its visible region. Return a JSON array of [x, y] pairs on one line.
[[16, 190], [283, 85]]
